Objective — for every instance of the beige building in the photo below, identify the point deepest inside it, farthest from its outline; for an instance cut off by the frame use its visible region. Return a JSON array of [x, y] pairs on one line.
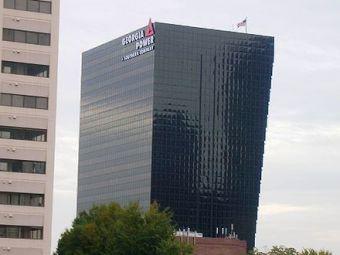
[[28, 88]]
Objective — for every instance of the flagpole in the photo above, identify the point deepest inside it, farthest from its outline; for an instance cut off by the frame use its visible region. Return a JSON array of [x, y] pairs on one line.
[[246, 25]]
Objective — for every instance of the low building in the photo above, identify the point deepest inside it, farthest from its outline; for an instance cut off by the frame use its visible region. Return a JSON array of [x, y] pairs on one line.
[[229, 244], [216, 246]]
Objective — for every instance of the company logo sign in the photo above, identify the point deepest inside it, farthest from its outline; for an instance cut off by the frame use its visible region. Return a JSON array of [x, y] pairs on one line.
[[144, 42]]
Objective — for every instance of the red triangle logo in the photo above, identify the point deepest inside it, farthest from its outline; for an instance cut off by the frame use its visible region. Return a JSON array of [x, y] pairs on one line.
[[150, 30]]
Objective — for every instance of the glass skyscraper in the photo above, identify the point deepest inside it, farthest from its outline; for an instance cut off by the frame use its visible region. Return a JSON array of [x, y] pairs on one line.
[[177, 115]]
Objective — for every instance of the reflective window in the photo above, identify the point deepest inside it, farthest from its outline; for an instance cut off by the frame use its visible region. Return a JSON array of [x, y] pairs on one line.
[[37, 200], [12, 232], [3, 199], [32, 38], [28, 167], [21, 166], [29, 5], [24, 101], [44, 39], [3, 166], [21, 232], [7, 69], [39, 167], [20, 36], [33, 5], [42, 103], [45, 7], [29, 102], [15, 199], [29, 37], [37, 70], [25, 69], [5, 99], [23, 134], [21, 5], [4, 134], [17, 101], [22, 199], [9, 4], [8, 34]]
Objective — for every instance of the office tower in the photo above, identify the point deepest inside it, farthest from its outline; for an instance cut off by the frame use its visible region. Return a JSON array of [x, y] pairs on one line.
[[28, 89], [177, 115]]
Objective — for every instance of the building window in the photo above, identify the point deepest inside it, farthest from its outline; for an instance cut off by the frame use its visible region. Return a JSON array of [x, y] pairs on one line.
[[20, 5], [45, 7], [32, 38], [22, 199], [21, 232], [24, 101], [17, 100], [29, 5], [10, 4], [33, 5], [36, 135], [29, 102], [22, 166], [21, 36], [8, 34], [9, 67], [42, 103], [6, 100], [44, 39]]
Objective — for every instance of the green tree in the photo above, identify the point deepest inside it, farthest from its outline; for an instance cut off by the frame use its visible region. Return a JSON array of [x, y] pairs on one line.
[[281, 250], [314, 252], [256, 252], [113, 230]]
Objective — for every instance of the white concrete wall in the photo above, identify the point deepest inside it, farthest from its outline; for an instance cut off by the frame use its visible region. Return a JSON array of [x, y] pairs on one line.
[[30, 118]]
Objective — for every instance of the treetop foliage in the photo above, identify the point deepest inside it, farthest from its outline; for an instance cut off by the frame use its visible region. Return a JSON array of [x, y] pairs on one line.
[[281, 250], [115, 230]]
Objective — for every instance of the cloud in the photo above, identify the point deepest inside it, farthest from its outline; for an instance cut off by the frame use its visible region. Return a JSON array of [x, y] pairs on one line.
[[274, 209], [300, 190], [65, 182], [283, 133]]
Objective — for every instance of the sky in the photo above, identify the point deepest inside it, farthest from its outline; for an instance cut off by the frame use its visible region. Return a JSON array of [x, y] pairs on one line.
[[300, 192]]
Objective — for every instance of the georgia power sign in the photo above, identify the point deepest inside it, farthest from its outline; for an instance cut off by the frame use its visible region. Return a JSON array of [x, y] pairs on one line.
[[144, 41]]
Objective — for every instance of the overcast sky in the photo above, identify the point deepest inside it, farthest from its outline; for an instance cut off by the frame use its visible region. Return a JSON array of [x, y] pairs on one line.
[[300, 197]]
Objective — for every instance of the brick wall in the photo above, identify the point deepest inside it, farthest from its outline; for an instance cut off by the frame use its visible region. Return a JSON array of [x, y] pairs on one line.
[[216, 246]]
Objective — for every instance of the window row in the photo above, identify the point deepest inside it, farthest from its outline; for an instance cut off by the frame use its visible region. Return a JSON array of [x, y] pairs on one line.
[[22, 199], [21, 36], [21, 232], [21, 166], [9, 67], [29, 5], [37, 135], [23, 101]]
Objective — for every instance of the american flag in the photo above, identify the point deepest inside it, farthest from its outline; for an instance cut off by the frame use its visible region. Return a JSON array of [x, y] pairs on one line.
[[242, 24]]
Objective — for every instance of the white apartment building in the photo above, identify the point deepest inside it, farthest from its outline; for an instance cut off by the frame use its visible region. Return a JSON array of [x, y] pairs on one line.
[[28, 89]]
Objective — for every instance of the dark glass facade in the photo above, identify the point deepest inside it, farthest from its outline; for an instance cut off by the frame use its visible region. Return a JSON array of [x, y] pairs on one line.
[[116, 127], [199, 146]]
